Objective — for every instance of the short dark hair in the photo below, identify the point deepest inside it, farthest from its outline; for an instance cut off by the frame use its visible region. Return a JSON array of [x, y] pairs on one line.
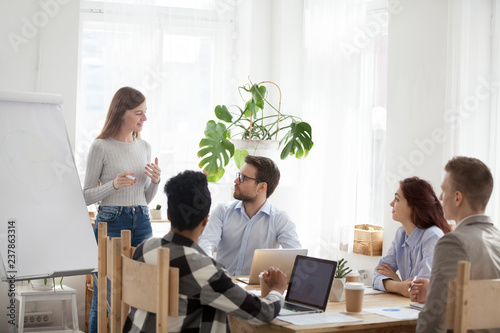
[[267, 171], [471, 177], [188, 199]]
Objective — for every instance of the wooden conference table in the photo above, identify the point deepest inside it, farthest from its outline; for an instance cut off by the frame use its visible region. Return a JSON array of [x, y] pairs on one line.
[[371, 322]]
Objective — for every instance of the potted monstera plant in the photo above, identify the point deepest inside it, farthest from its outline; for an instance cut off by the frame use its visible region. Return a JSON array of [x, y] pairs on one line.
[[251, 123]]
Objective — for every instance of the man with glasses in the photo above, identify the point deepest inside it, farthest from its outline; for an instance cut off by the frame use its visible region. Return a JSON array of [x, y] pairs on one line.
[[238, 228]]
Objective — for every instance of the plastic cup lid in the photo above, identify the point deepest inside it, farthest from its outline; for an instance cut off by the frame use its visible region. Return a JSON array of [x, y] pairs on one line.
[[354, 286], [353, 273]]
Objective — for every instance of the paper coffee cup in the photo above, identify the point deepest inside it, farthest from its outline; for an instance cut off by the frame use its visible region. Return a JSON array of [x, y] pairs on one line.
[[354, 292], [264, 288], [352, 277]]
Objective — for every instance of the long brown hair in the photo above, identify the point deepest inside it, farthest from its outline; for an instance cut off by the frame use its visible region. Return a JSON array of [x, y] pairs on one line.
[[125, 99], [426, 210]]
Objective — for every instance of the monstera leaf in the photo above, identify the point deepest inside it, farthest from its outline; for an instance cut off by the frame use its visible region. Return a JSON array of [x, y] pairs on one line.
[[239, 157], [298, 141], [223, 113], [257, 101], [216, 150]]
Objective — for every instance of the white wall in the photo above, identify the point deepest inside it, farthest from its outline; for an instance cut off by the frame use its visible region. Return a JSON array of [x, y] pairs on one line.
[[416, 97], [39, 52]]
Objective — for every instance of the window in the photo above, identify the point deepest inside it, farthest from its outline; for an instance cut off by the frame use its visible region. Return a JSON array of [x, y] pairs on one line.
[[345, 79], [178, 53]]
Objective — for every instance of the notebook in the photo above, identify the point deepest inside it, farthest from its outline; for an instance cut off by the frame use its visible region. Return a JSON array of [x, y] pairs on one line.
[[309, 286], [418, 306], [264, 258]]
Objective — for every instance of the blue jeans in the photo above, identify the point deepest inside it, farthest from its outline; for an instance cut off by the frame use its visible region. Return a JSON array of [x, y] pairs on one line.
[[120, 218]]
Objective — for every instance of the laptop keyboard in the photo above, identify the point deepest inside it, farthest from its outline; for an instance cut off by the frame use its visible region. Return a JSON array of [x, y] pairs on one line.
[[296, 308]]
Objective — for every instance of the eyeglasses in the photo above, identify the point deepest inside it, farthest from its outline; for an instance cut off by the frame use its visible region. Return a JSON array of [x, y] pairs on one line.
[[241, 177]]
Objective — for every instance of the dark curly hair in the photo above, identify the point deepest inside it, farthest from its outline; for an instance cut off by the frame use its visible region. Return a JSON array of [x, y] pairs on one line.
[[188, 199], [426, 210]]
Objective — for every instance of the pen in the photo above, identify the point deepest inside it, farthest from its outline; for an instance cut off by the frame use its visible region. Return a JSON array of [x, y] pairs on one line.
[[130, 177], [411, 285]]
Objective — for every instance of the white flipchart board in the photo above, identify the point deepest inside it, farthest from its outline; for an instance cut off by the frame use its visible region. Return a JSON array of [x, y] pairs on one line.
[[45, 229]]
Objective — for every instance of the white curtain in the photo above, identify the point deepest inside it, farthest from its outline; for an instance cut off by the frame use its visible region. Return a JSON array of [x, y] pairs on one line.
[[178, 53], [471, 116], [344, 182]]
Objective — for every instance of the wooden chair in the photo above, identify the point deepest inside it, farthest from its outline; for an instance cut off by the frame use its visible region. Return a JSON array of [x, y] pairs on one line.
[[472, 304], [105, 272], [152, 288]]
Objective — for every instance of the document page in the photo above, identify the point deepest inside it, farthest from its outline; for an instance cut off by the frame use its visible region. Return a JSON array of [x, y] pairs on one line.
[[318, 318], [397, 312]]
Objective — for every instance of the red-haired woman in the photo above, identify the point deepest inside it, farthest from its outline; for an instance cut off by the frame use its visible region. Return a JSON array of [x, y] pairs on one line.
[[418, 209]]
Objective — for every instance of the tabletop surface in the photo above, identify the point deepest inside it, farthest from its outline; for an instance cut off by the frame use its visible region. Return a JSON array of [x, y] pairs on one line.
[[370, 321]]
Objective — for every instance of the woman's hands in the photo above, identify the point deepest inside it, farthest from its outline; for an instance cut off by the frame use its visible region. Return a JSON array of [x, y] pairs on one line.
[[123, 181], [398, 287], [153, 171], [387, 270]]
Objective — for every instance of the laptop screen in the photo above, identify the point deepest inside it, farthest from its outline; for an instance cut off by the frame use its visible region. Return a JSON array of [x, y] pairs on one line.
[[311, 281]]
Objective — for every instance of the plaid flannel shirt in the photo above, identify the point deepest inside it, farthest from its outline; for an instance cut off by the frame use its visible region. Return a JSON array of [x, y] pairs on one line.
[[206, 292]]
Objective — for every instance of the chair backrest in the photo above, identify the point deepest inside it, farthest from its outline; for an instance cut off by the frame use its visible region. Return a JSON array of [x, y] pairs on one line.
[[472, 304], [102, 266], [105, 271], [152, 288]]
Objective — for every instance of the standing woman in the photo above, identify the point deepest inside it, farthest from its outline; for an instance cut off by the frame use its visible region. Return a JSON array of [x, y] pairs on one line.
[[418, 209], [120, 161]]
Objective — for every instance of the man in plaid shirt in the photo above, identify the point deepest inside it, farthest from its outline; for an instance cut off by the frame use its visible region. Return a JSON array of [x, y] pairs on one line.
[[206, 293]]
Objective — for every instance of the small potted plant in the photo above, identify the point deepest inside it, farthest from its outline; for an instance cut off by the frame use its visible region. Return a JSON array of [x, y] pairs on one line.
[[156, 213], [337, 291], [45, 284], [250, 124]]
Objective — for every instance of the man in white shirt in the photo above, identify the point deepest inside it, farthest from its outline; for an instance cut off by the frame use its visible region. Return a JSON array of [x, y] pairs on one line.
[[466, 190], [251, 222]]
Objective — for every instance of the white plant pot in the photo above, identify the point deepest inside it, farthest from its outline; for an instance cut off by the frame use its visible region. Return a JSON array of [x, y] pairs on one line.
[[40, 284], [155, 214], [258, 147], [337, 292]]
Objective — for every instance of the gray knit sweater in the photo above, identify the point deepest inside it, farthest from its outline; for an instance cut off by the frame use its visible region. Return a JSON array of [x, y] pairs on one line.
[[109, 157]]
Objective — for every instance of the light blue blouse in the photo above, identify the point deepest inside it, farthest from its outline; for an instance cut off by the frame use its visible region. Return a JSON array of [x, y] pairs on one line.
[[411, 256]]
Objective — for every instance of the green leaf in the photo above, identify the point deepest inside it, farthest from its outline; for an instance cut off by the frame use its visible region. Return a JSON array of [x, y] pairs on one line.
[[298, 141], [216, 150], [258, 94], [239, 157], [215, 178], [222, 113], [341, 269], [250, 109], [256, 103]]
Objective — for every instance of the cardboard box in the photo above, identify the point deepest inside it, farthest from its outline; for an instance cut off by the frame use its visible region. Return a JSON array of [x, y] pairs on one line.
[[368, 242]]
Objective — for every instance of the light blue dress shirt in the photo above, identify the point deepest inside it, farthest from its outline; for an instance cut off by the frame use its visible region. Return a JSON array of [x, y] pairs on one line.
[[236, 236], [412, 255]]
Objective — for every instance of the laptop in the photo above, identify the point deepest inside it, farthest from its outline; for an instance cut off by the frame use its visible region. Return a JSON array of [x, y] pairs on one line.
[[309, 286], [264, 258]]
